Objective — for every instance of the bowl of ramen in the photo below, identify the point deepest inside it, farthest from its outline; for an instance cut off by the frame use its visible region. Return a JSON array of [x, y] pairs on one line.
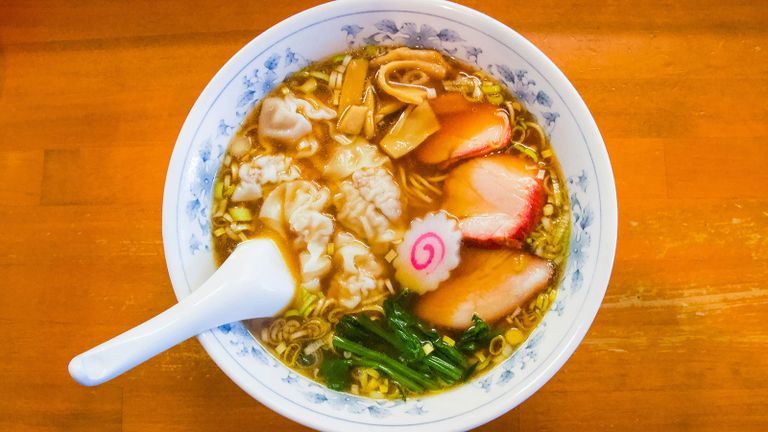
[[441, 191]]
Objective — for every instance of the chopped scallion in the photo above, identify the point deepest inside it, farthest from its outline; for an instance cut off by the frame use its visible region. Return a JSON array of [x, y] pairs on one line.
[[514, 336], [556, 192], [489, 88], [371, 51], [320, 75], [548, 210], [527, 151], [218, 190], [308, 301], [495, 98], [390, 256], [240, 214], [280, 348], [309, 86], [428, 348]]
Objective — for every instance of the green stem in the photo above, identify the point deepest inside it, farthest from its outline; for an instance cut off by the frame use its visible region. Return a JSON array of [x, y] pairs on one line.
[[450, 353], [399, 378], [385, 360], [372, 327], [444, 368]]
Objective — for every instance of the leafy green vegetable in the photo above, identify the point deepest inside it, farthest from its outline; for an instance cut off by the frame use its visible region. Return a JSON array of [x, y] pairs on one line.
[[470, 370], [349, 328], [477, 336], [306, 360], [409, 351], [445, 369], [335, 373], [412, 354], [399, 372], [408, 341], [444, 359], [412, 327]]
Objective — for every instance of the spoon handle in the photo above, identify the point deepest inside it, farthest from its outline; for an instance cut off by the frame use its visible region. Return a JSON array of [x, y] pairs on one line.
[[250, 284], [123, 352]]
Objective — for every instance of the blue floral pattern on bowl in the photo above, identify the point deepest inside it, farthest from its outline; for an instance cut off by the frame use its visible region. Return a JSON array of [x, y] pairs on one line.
[[260, 81], [256, 78]]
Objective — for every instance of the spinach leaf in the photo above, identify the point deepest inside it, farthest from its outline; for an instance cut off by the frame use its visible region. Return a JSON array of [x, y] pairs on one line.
[[475, 337], [335, 373], [403, 347], [414, 334], [349, 328]]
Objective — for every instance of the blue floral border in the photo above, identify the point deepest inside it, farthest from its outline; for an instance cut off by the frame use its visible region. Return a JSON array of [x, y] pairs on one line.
[[259, 81]]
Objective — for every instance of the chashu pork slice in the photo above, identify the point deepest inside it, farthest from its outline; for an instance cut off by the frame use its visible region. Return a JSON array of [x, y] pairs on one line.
[[489, 283], [466, 131], [497, 199]]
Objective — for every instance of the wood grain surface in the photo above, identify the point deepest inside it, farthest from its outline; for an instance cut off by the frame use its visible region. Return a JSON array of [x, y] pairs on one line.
[[92, 96]]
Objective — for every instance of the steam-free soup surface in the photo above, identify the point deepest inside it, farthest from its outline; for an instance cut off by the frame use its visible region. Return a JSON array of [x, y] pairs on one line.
[[422, 205]]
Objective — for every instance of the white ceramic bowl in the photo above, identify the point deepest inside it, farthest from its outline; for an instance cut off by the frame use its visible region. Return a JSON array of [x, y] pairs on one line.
[[466, 34]]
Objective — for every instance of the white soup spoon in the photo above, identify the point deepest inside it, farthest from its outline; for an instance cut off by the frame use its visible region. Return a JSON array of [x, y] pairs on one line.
[[254, 282]]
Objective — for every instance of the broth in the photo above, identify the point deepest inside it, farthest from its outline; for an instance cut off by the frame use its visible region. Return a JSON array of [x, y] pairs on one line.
[[373, 156]]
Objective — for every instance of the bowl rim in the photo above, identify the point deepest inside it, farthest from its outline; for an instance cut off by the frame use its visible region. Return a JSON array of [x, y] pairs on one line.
[[580, 112]]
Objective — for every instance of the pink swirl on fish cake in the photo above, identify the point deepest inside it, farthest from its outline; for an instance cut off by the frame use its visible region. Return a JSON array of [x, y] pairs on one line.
[[427, 242]]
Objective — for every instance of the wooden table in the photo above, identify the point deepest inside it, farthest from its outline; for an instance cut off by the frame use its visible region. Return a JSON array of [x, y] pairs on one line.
[[92, 95]]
